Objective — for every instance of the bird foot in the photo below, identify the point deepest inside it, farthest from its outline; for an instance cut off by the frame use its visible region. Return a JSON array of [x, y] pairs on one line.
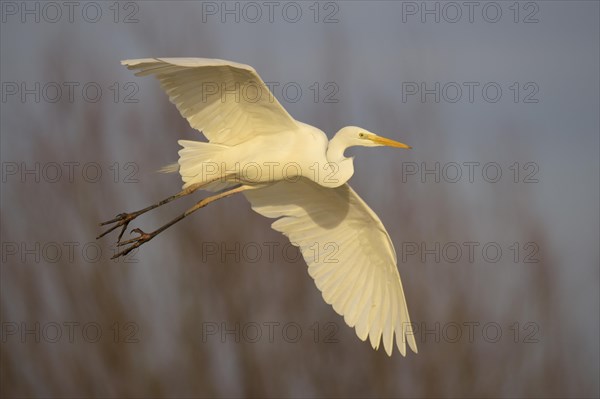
[[122, 219], [135, 242]]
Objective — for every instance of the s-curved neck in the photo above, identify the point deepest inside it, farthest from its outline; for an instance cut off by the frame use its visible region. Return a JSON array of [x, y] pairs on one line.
[[341, 167], [335, 149]]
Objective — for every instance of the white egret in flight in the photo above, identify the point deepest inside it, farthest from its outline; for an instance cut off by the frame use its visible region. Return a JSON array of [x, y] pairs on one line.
[[287, 170]]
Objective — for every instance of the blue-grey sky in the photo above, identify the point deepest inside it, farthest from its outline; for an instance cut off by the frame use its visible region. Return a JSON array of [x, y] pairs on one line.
[[508, 86]]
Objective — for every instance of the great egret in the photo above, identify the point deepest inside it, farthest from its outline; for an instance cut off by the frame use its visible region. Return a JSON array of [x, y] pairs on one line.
[[287, 170]]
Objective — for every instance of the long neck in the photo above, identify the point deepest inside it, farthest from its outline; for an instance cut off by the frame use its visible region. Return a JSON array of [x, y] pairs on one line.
[[335, 149], [342, 168]]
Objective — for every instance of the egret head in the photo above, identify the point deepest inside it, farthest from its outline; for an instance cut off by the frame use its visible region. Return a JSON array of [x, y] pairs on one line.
[[357, 136], [352, 136]]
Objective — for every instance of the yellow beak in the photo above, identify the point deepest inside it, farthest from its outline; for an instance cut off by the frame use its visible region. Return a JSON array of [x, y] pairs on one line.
[[388, 142]]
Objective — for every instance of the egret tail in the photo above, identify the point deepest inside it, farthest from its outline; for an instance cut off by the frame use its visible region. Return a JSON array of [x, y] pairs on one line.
[[201, 162]]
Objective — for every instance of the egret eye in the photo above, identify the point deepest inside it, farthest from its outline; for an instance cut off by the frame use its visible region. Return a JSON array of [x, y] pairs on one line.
[[361, 135]]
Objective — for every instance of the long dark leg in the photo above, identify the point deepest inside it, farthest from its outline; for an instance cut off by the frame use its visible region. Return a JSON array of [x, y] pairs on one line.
[[123, 219], [145, 237]]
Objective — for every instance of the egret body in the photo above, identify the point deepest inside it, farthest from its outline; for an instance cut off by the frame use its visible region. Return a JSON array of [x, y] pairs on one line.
[[288, 171]]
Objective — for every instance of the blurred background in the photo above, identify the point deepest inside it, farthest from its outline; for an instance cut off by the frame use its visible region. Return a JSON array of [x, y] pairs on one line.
[[494, 213]]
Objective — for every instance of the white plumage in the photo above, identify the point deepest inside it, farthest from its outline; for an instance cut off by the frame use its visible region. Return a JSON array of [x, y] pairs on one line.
[[348, 252], [346, 247]]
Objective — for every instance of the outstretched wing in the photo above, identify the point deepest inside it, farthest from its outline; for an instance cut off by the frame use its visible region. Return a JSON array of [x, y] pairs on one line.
[[348, 252], [226, 101]]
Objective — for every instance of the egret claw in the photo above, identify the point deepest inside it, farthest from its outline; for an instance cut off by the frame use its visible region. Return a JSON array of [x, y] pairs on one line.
[[122, 219], [135, 242]]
